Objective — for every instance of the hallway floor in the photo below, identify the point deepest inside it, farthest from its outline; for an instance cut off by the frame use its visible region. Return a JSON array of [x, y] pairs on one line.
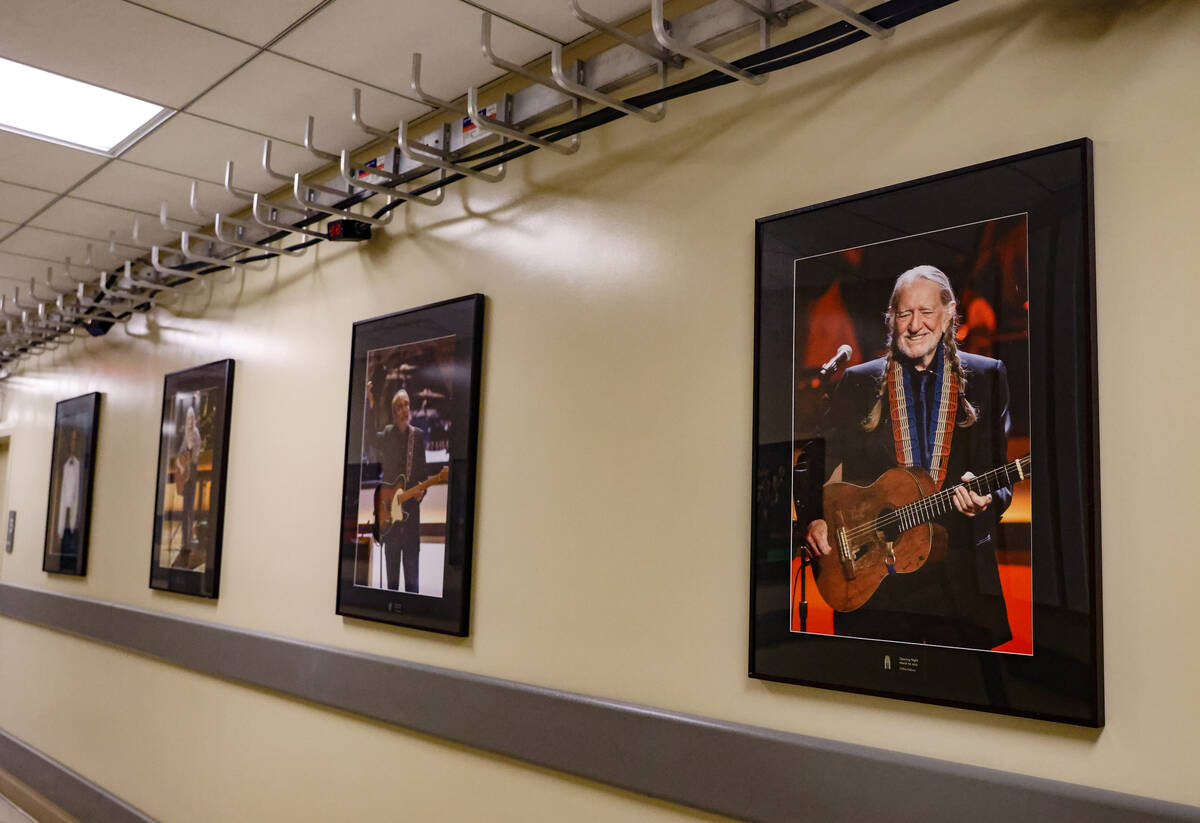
[[11, 814]]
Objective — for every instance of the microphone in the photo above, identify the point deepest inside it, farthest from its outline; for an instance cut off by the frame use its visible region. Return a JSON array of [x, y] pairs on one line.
[[843, 354]]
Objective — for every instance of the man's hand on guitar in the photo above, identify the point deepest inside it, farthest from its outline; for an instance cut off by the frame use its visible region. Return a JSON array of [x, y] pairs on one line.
[[816, 540], [967, 501]]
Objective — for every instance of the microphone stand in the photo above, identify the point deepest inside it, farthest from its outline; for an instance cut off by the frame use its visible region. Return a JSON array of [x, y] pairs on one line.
[[805, 560], [805, 466], [798, 540]]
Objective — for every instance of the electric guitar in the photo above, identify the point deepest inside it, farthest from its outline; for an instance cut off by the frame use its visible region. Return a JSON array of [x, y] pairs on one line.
[[390, 498], [886, 527]]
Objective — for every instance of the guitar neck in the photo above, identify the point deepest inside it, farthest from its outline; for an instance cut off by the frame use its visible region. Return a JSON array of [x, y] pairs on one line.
[[409, 493], [934, 506]]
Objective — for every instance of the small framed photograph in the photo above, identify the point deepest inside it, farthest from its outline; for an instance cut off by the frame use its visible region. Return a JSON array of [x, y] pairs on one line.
[[926, 483], [189, 506], [72, 467], [408, 494]]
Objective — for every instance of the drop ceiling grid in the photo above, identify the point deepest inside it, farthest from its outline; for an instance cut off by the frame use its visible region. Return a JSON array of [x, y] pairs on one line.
[[311, 69]]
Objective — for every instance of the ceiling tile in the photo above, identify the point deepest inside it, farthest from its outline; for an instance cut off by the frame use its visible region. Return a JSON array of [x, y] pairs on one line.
[[7, 227], [43, 165], [141, 188], [119, 46], [274, 95], [200, 148], [556, 18], [96, 220], [257, 22], [19, 202], [447, 34]]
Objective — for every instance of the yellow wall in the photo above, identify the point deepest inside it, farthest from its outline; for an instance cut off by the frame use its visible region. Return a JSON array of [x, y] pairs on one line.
[[613, 517]]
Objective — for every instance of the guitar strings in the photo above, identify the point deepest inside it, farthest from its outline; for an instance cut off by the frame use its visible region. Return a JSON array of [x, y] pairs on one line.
[[934, 501], [925, 504]]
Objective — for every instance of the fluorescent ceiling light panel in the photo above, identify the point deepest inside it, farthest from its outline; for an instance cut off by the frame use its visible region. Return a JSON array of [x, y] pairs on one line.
[[51, 107]]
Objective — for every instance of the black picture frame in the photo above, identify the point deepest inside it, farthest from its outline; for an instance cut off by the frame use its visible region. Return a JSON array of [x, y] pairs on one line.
[[72, 472], [826, 271], [415, 572], [186, 544]]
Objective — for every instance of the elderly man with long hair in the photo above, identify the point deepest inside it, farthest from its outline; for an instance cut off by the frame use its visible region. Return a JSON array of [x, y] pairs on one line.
[[925, 404]]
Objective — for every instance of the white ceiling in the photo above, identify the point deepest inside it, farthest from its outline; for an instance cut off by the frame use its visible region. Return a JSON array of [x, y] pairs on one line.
[[238, 72]]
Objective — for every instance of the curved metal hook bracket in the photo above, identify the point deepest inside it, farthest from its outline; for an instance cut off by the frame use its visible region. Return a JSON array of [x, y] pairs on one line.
[[194, 202], [4, 308], [659, 54], [659, 23], [50, 283], [17, 298], [135, 234], [308, 142], [241, 194], [129, 280], [87, 263], [297, 184], [349, 175], [569, 85], [185, 243], [116, 291], [415, 83], [115, 310], [287, 178], [248, 196], [430, 156], [258, 203], [219, 229], [489, 54], [46, 320], [494, 126], [356, 117]]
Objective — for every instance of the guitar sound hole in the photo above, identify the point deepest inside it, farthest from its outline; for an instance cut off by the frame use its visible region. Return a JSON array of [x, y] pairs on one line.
[[891, 531]]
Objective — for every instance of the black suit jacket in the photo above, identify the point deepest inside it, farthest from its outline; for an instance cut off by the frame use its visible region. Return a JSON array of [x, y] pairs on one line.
[[964, 587]]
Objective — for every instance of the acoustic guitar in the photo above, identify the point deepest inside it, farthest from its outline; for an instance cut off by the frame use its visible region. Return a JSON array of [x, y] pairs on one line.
[[886, 527], [183, 472], [390, 498]]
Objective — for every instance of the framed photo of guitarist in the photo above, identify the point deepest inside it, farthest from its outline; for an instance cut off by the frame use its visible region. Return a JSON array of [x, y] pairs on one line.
[[73, 467], [408, 494], [922, 352], [189, 505]]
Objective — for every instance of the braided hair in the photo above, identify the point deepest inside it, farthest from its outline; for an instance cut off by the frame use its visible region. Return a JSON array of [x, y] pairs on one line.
[[967, 413]]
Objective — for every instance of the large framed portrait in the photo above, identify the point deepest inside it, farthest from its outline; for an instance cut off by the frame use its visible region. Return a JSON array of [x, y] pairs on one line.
[[408, 494], [189, 506], [926, 483], [72, 468]]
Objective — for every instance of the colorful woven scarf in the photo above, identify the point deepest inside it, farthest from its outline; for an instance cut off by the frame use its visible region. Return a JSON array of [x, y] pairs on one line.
[[904, 420]]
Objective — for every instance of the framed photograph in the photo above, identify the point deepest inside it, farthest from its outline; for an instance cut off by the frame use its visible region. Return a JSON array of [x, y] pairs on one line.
[[72, 466], [926, 482], [189, 506], [408, 494]]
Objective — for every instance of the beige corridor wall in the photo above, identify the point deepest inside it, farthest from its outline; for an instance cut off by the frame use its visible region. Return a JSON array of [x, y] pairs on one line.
[[613, 516]]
